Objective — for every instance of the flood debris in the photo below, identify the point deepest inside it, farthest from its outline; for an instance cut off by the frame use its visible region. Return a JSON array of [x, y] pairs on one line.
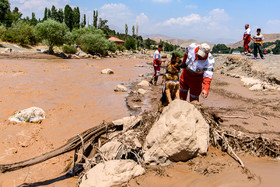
[[150, 138], [29, 115]]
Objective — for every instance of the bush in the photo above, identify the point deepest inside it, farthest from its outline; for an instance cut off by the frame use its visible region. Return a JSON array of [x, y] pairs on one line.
[[77, 33], [121, 47], [112, 46], [20, 32], [221, 48], [69, 49], [94, 43], [52, 33], [130, 44], [2, 30], [179, 53]]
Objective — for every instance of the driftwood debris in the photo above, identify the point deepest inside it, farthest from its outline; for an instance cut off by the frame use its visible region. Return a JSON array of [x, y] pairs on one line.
[[80, 141]]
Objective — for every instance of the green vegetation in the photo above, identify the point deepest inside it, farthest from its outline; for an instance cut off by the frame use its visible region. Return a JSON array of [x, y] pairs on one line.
[[69, 49], [276, 50], [65, 27], [221, 48], [52, 33]]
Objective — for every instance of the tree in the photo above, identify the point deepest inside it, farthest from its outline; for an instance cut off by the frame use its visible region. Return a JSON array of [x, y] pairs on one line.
[[60, 16], [96, 43], [126, 30], [95, 18], [276, 49], [49, 14], [54, 13], [4, 10], [84, 21], [16, 15], [102, 25], [76, 17], [33, 20], [221, 48], [45, 14], [133, 30], [52, 33], [68, 17], [130, 44], [148, 42]]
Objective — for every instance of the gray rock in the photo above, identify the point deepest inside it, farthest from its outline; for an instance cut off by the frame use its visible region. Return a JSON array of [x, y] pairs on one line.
[[113, 172], [144, 83], [107, 71], [120, 88], [181, 133], [142, 91]]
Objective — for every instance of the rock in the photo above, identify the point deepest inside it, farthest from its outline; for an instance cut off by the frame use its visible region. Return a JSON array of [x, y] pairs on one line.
[[142, 91], [139, 66], [181, 133], [8, 50], [110, 150], [75, 57], [120, 88], [107, 71], [144, 83], [30, 115], [256, 87], [248, 81], [127, 122], [113, 172], [140, 75]]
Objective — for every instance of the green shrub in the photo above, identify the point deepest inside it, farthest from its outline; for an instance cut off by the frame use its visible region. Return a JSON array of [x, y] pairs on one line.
[[121, 47], [94, 43], [20, 32], [112, 46], [69, 49], [2, 30], [179, 53], [130, 44], [77, 33], [52, 33]]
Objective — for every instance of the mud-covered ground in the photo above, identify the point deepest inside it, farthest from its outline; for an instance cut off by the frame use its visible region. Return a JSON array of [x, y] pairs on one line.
[[76, 97]]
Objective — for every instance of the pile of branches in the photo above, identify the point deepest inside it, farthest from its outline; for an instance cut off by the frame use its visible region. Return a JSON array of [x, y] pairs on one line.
[[230, 140], [86, 145]]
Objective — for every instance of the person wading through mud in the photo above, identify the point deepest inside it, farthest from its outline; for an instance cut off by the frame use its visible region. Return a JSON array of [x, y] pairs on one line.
[[258, 43], [198, 66], [157, 62], [247, 39]]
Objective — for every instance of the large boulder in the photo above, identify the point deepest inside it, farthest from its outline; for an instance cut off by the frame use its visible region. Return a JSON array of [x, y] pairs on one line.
[[113, 172], [30, 115], [180, 133]]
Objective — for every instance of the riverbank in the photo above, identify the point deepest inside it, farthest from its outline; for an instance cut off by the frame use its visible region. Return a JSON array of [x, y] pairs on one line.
[[76, 97]]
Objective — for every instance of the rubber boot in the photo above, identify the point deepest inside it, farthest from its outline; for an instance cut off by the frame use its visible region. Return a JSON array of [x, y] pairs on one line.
[[155, 80]]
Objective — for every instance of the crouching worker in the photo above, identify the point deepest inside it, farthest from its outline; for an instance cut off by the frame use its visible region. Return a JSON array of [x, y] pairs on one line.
[[197, 73], [157, 63]]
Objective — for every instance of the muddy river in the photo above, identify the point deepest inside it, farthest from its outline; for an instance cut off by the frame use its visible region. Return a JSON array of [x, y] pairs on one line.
[[76, 96]]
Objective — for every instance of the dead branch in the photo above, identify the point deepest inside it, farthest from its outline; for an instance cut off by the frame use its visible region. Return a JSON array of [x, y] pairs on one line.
[[73, 143]]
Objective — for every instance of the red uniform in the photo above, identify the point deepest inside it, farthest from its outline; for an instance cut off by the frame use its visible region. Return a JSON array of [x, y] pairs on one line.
[[157, 63], [247, 39], [197, 75]]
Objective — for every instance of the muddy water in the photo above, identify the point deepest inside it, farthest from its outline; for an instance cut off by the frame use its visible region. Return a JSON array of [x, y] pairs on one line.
[[75, 97]]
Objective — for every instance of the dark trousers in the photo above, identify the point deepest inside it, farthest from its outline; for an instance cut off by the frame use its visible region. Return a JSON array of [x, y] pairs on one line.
[[257, 47]]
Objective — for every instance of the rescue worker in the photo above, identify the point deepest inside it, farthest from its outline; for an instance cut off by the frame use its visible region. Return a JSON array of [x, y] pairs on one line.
[[157, 63], [258, 43], [247, 39], [197, 71]]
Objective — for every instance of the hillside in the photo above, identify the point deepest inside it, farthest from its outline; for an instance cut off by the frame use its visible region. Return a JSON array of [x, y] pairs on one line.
[[267, 38], [175, 41]]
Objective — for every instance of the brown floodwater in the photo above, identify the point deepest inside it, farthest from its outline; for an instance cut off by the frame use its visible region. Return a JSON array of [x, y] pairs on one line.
[[75, 96]]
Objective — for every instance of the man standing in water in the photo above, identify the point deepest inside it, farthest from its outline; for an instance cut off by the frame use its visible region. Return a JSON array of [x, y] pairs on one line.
[[247, 39], [157, 63]]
